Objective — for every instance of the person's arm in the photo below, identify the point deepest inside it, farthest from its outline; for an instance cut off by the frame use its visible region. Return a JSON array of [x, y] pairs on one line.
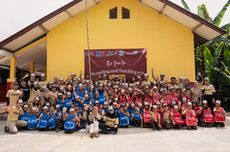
[[184, 112], [40, 116]]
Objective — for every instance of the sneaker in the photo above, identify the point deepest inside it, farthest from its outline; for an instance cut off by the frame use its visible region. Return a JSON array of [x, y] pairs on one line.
[[96, 135], [91, 135], [6, 129]]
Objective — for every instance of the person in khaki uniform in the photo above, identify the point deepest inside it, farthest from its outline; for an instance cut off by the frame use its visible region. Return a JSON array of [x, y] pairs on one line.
[[12, 120], [111, 122], [14, 94], [94, 119], [209, 91]]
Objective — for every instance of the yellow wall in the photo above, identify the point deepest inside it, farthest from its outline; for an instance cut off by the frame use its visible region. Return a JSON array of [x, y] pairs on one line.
[[169, 44]]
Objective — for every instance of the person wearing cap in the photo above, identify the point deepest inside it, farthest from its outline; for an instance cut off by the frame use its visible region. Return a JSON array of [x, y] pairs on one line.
[[190, 117], [156, 94], [111, 122], [177, 120], [13, 94], [131, 108], [24, 116], [146, 81], [166, 98], [84, 118], [58, 117], [68, 100], [14, 112], [32, 119], [43, 119], [208, 91], [166, 117], [34, 92], [123, 117], [53, 94], [196, 92], [105, 108], [94, 119], [219, 114], [156, 118], [25, 89], [123, 97], [101, 94], [71, 119], [146, 115], [42, 82], [136, 118], [52, 118], [207, 119], [80, 91], [86, 99]]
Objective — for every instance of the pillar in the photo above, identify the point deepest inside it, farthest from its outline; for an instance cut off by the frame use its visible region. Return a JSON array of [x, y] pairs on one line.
[[12, 72], [32, 67]]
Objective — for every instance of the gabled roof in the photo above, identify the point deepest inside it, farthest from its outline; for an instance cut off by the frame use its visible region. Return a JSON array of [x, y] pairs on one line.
[[202, 29]]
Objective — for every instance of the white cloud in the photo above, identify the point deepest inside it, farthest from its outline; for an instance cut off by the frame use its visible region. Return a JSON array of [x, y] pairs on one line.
[[17, 14]]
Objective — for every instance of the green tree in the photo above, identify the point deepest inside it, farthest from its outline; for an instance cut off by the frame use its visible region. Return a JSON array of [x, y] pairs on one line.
[[215, 54]]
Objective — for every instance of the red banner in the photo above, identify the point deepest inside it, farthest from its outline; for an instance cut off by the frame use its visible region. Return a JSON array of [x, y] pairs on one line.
[[129, 62]]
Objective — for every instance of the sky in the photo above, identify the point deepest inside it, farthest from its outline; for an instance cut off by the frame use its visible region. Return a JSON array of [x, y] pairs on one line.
[[17, 14]]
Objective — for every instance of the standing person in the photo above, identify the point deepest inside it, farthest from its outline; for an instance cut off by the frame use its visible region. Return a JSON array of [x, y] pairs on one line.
[[13, 94], [25, 89], [12, 120], [42, 83], [209, 91], [196, 92], [94, 123]]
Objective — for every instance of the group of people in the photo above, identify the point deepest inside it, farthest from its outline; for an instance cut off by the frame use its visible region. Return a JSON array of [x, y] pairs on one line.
[[107, 103]]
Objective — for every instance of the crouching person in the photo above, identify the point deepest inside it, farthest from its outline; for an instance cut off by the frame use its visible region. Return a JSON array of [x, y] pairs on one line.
[[110, 124], [12, 119], [32, 120], [94, 119], [71, 120], [177, 120], [43, 119], [136, 118], [219, 115], [207, 117], [166, 117], [156, 118], [190, 117]]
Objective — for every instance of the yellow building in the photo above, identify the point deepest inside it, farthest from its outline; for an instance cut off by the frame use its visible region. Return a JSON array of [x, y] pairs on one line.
[[55, 44]]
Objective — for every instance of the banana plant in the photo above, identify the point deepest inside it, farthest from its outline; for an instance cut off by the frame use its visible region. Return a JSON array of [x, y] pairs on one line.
[[214, 55]]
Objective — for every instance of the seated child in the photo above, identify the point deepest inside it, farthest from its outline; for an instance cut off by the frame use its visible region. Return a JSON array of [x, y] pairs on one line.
[[146, 121], [190, 117], [207, 117], [32, 119], [123, 117], [43, 119], [70, 120], [136, 118], [166, 117], [52, 119], [156, 118], [219, 115], [177, 120]]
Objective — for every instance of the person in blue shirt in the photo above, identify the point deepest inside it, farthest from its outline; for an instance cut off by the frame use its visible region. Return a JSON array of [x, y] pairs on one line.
[[80, 91], [131, 108], [84, 119], [92, 94], [32, 119], [136, 118], [43, 119], [101, 95], [71, 120], [86, 99], [68, 100], [25, 115], [124, 117], [116, 110], [60, 100], [78, 102], [105, 109], [58, 116], [52, 118]]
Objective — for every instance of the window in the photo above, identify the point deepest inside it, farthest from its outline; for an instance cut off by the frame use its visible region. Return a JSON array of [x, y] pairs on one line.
[[125, 13], [113, 13]]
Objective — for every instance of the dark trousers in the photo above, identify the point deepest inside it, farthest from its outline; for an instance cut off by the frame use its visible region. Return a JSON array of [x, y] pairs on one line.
[[209, 99], [106, 129]]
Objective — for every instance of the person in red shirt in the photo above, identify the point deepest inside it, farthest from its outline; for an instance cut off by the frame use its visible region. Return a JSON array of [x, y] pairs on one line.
[[190, 117], [177, 120], [219, 115], [207, 117]]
